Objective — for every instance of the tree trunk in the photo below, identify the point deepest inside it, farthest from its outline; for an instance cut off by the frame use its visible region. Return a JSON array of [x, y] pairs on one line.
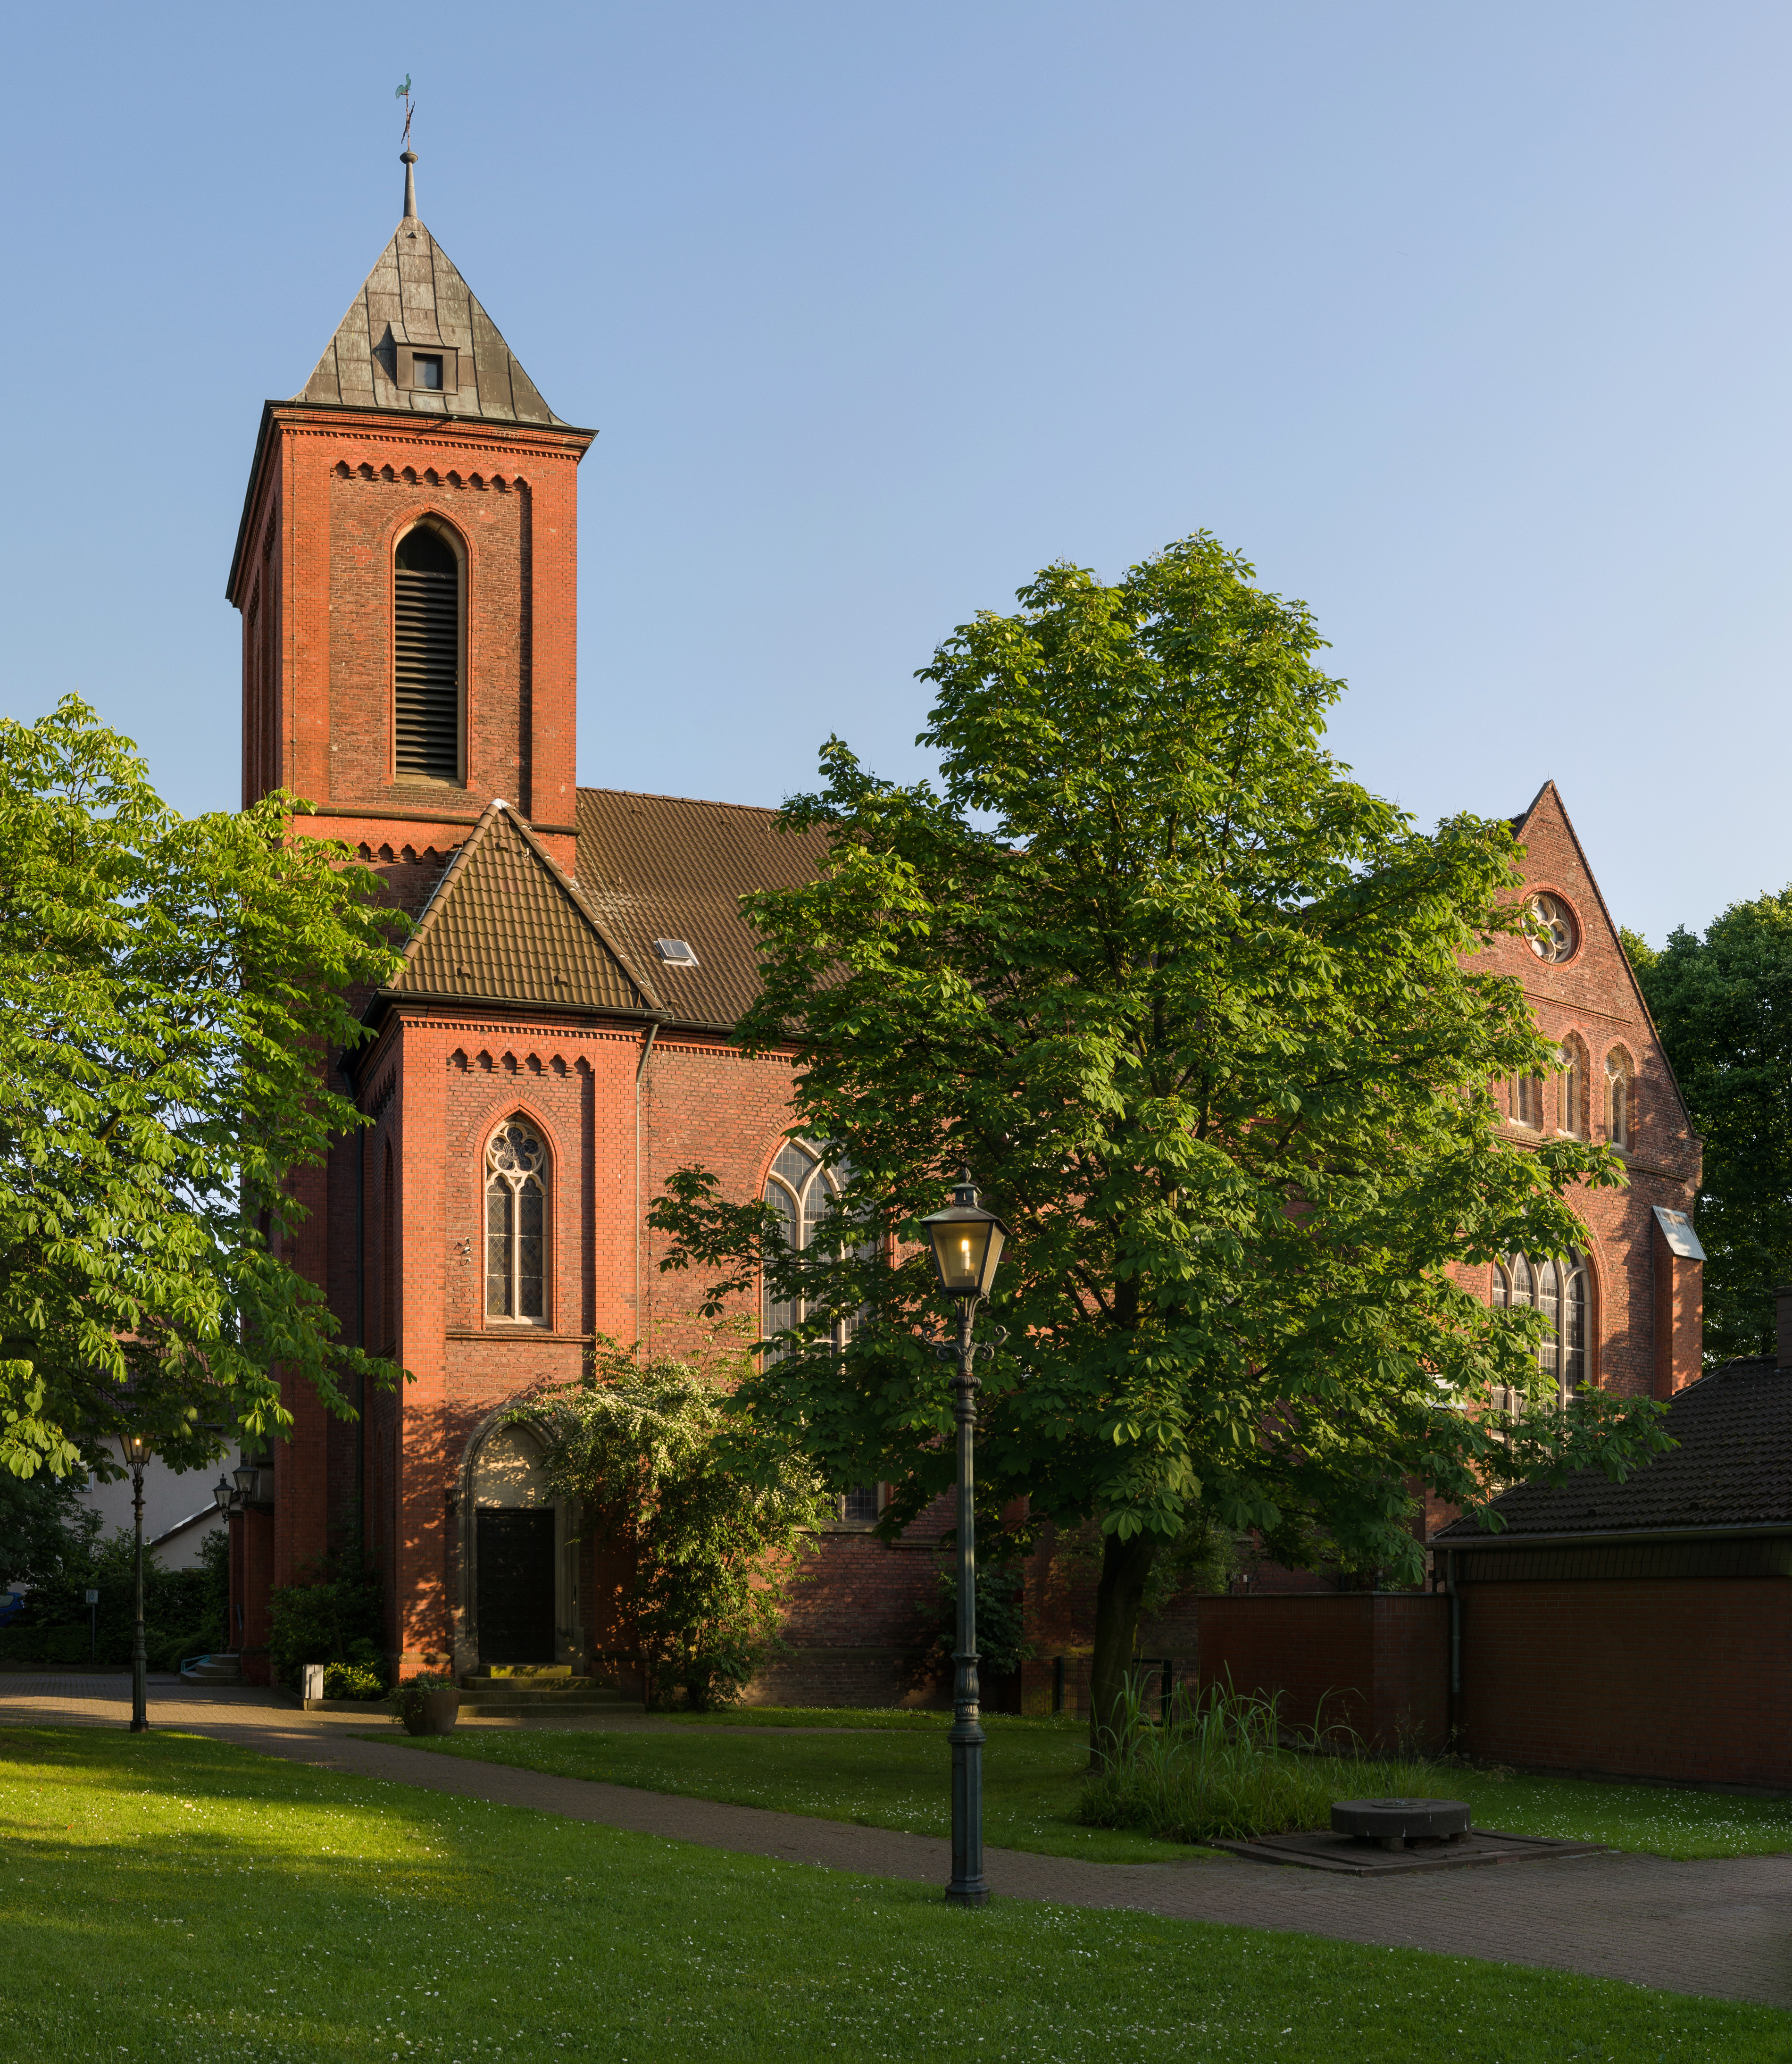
[[1125, 1567]]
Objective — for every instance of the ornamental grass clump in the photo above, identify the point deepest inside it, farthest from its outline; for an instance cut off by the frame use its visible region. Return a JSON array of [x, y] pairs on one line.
[[1224, 1768]]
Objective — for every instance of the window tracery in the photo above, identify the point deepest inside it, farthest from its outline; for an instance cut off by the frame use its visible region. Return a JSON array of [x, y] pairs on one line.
[[798, 1190], [1553, 935], [1559, 1289], [516, 1226], [1619, 1102]]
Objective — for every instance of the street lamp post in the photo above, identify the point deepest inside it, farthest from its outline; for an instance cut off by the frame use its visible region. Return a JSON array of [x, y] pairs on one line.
[[967, 1244], [136, 1450]]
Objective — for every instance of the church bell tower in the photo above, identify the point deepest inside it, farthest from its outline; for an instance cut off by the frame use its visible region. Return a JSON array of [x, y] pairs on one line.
[[406, 572]]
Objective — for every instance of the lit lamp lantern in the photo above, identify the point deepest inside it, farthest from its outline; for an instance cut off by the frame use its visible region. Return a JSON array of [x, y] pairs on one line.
[[968, 1243]]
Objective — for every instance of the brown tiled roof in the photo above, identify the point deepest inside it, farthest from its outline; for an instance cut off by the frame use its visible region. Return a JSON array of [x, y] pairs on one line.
[[664, 867], [415, 294], [505, 925], [1732, 1468]]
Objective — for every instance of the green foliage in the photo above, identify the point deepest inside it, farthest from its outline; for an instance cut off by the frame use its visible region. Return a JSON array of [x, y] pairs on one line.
[[1227, 1769], [332, 1615], [410, 1694], [354, 1680], [42, 1522], [184, 1609], [718, 1519], [1002, 1618], [1204, 1017], [166, 987], [1722, 1003]]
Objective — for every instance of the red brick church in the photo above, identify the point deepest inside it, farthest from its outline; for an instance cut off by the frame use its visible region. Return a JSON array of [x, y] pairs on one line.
[[561, 1036]]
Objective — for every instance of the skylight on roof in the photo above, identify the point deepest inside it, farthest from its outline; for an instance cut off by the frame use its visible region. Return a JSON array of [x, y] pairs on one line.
[[675, 953]]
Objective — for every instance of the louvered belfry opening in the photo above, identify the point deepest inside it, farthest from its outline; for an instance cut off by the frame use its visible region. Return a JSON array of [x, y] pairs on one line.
[[426, 644]]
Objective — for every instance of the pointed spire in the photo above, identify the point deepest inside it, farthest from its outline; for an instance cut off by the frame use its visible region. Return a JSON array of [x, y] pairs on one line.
[[408, 158]]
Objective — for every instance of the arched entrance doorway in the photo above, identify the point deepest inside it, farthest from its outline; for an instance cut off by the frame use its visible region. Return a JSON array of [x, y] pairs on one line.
[[520, 1589]]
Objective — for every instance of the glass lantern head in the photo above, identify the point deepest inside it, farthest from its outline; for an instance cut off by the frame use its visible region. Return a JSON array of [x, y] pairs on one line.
[[135, 1448], [248, 1480], [221, 1493], [967, 1243]]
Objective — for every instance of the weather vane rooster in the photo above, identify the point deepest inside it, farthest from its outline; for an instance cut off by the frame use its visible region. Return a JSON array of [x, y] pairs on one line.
[[404, 93]]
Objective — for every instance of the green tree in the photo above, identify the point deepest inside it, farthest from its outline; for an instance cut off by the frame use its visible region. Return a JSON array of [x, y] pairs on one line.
[[718, 1520], [1722, 1003], [1198, 1011], [169, 988], [43, 1527]]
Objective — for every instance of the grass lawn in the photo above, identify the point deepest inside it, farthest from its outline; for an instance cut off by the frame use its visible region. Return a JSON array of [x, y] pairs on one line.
[[168, 1897], [897, 1778], [889, 1770]]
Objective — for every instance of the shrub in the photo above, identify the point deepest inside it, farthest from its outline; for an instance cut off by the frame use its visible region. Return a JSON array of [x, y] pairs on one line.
[[1224, 1769], [354, 1680], [1001, 1638], [719, 1516], [332, 1616]]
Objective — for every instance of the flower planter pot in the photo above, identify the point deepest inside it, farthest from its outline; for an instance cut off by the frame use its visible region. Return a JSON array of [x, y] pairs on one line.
[[435, 1714]]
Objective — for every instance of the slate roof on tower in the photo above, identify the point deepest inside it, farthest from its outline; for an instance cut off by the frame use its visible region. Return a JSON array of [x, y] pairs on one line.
[[415, 295]]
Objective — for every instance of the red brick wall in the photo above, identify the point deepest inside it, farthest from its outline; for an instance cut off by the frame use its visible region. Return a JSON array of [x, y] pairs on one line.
[[1592, 998], [331, 494], [1688, 1679], [1374, 1661]]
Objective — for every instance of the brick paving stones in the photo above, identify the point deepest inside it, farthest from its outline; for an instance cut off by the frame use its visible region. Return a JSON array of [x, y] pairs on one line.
[[1721, 1926]]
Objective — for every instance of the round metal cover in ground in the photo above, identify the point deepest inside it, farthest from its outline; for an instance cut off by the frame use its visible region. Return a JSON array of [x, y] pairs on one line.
[[1400, 1820]]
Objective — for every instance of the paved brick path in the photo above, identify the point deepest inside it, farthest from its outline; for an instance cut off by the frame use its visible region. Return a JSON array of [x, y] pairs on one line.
[[1722, 1927]]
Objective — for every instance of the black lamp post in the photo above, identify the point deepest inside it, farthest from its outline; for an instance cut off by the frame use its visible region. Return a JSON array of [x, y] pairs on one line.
[[967, 1245], [136, 1450]]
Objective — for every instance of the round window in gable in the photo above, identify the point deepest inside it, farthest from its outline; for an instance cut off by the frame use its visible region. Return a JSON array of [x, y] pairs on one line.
[[1553, 935]]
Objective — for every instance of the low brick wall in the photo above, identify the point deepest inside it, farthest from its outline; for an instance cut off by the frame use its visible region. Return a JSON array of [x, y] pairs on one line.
[[1375, 1663], [1687, 1679], [841, 1676]]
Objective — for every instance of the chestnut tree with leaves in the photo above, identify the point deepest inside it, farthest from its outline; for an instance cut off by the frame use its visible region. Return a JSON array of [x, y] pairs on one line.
[[1203, 1015], [171, 991]]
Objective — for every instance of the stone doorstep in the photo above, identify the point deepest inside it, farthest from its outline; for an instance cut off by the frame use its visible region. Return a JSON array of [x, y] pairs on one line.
[[1343, 1853]]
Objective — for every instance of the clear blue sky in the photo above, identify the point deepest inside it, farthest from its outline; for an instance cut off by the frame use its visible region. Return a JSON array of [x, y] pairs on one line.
[[1469, 325]]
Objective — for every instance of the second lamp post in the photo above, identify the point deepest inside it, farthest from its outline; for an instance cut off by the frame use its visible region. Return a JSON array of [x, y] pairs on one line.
[[967, 1244], [135, 1451]]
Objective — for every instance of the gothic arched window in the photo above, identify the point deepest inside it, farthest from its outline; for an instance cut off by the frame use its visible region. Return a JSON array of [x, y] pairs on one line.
[[1620, 1111], [516, 1226], [1527, 1100], [798, 1189], [1574, 1089], [1557, 1289], [426, 656]]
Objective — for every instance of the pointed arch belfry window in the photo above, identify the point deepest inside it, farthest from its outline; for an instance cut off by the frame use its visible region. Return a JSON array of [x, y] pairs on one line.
[[516, 1226], [427, 615]]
